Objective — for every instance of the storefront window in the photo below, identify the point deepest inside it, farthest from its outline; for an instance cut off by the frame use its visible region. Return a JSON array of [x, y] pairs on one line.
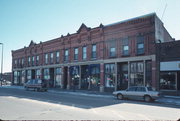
[[168, 80], [38, 74], [94, 77], [109, 75], [58, 79], [84, 77], [23, 77], [29, 74], [122, 77], [15, 77], [46, 74], [136, 74], [75, 75]]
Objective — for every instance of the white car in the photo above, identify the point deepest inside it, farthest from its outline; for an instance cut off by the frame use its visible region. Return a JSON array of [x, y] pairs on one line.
[[137, 92]]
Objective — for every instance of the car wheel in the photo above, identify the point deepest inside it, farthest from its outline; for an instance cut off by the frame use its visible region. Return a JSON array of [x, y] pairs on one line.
[[147, 98], [120, 96]]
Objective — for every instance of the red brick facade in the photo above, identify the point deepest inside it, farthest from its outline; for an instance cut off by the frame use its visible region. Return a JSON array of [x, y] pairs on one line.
[[106, 38]]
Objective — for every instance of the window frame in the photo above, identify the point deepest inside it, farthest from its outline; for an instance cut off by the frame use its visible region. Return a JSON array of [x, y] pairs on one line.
[[140, 40], [125, 43], [57, 56], [94, 51], [76, 52], [66, 58], [84, 52]]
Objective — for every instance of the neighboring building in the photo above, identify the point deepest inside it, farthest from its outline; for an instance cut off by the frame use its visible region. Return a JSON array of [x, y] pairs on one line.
[[105, 58], [7, 76], [169, 75]]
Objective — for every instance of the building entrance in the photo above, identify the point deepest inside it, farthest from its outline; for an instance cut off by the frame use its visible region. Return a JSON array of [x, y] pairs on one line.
[[51, 81], [33, 74]]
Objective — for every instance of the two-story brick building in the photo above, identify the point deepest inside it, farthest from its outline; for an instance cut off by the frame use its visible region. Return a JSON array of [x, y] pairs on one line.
[[105, 58]]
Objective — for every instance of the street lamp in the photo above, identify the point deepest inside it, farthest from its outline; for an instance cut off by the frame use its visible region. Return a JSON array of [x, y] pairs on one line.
[[1, 64]]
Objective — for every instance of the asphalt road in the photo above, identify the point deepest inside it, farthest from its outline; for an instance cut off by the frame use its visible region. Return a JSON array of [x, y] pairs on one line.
[[20, 104]]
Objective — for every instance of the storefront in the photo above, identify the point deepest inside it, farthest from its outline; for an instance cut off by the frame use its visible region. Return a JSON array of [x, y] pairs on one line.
[[136, 74], [170, 75], [58, 77], [122, 79], [38, 74], [75, 76], [85, 75], [23, 77], [109, 77], [90, 77], [28, 74], [15, 74], [94, 80]]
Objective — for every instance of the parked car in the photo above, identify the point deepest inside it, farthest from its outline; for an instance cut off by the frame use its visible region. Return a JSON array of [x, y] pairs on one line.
[[36, 84], [137, 92]]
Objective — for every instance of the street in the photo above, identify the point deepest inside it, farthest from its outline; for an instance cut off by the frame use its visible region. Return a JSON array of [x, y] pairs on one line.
[[19, 104]]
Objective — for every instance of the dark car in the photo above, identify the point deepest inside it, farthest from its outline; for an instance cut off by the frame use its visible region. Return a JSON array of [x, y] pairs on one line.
[[36, 84]]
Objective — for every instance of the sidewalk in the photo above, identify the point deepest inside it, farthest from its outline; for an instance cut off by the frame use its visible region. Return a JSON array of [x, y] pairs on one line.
[[173, 100]]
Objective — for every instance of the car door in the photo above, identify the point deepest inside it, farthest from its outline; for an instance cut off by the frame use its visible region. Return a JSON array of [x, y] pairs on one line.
[[140, 92], [130, 93]]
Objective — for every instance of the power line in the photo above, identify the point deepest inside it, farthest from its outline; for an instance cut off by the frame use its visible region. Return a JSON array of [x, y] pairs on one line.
[[164, 11]]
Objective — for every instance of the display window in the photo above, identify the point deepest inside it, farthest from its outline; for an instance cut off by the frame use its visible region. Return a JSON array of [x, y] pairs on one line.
[[137, 74], [168, 80], [58, 77], [109, 75]]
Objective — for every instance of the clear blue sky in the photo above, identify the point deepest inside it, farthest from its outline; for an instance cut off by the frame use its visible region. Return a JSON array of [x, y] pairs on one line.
[[40, 20]]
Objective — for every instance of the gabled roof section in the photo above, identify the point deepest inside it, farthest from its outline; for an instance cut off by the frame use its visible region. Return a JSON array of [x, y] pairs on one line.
[[32, 43], [83, 28]]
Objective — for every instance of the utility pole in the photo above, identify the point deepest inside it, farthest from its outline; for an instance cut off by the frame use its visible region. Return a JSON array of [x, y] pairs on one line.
[[1, 65]]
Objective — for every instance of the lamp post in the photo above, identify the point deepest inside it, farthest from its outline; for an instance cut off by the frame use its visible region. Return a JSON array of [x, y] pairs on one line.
[[1, 64]]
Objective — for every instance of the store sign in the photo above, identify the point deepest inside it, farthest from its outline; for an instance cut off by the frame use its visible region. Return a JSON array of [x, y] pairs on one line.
[[170, 66]]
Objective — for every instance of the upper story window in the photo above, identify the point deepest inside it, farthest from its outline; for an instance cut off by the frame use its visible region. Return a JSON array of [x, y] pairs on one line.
[[93, 52], [22, 61], [52, 57], [57, 57], [75, 53], [19, 62], [46, 58], [84, 53], [29, 61], [33, 61], [112, 49], [125, 47], [15, 62], [66, 54], [37, 60], [112, 52], [140, 44]]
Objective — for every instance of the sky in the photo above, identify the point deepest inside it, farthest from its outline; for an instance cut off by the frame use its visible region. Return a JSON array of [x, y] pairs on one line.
[[41, 20]]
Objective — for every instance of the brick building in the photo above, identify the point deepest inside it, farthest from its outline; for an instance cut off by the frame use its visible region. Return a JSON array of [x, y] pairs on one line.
[[104, 58], [169, 63]]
